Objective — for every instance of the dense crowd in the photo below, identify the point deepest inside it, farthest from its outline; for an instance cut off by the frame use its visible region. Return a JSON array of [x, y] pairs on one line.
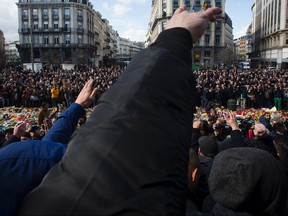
[[253, 88], [29, 89]]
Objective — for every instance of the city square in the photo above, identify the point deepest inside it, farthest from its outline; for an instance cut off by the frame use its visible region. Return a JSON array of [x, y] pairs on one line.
[[186, 114]]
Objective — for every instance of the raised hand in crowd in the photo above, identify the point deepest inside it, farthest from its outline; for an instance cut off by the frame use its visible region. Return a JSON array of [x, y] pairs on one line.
[[231, 120], [87, 94], [195, 23], [19, 129]]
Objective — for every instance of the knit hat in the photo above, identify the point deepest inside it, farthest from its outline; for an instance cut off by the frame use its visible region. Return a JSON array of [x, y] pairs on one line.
[[249, 180], [208, 146]]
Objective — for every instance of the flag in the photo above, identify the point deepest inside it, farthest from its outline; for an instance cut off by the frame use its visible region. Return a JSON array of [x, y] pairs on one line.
[[205, 5]]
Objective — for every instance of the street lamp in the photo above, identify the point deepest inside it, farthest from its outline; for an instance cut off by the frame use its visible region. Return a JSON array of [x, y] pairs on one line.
[[31, 36]]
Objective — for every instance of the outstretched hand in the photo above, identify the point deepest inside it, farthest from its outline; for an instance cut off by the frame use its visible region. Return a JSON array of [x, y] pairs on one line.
[[195, 23], [87, 94], [19, 129], [232, 120]]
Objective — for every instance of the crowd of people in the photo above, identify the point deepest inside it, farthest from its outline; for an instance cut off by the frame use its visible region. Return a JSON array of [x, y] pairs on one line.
[[250, 88], [30, 89], [141, 151]]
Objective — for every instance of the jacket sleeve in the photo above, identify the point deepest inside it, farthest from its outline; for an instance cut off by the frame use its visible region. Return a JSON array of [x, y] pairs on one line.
[[131, 156], [65, 124]]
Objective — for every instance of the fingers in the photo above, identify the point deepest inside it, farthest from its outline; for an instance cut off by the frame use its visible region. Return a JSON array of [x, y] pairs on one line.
[[94, 92], [20, 124], [180, 9], [88, 84], [211, 13]]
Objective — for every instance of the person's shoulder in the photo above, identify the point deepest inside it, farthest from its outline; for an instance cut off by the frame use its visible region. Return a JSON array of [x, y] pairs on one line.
[[33, 149]]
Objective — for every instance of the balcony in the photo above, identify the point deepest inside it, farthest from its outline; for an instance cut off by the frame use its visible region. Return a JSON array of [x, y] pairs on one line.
[[35, 17], [24, 17], [45, 17], [80, 30], [67, 16], [55, 17], [37, 29], [65, 29], [24, 30]]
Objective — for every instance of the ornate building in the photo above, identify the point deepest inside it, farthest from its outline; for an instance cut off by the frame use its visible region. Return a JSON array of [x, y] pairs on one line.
[[270, 34], [217, 37], [56, 31]]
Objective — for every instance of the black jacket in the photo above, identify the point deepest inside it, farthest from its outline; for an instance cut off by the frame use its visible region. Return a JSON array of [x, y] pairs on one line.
[[131, 156]]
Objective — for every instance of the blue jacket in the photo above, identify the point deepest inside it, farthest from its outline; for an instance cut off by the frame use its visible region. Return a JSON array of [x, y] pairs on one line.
[[24, 164]]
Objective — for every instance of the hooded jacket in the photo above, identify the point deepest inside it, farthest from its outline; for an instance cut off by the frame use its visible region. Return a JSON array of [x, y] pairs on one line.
[[248, 180]]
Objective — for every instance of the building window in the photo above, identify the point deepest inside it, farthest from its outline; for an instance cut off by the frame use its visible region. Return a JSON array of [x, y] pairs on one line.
[[175, 3], [45, 25], [35, 25], [207, 40], [25, 24], [55, 12], [46, 39], [217, 40], [207, 53], [164, 4], [67, 39], [26, 39], [56, 39], [35, 12], [24, 12], [36, 39], [45, 12], [218, 26], [218, 3], [55, 25], [67, 25], [80, 39], [66, 12]]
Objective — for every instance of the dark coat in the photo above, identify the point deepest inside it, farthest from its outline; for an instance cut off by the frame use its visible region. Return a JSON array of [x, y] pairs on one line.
[[131, 156]]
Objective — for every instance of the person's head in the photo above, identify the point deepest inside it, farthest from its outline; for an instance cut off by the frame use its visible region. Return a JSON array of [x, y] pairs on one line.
[[207, 146], [249, 180], [267, 115], [279, 128], [281, 145], [25, 136], [35, 131], [260, 131], [193, 170], [8, 133]]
